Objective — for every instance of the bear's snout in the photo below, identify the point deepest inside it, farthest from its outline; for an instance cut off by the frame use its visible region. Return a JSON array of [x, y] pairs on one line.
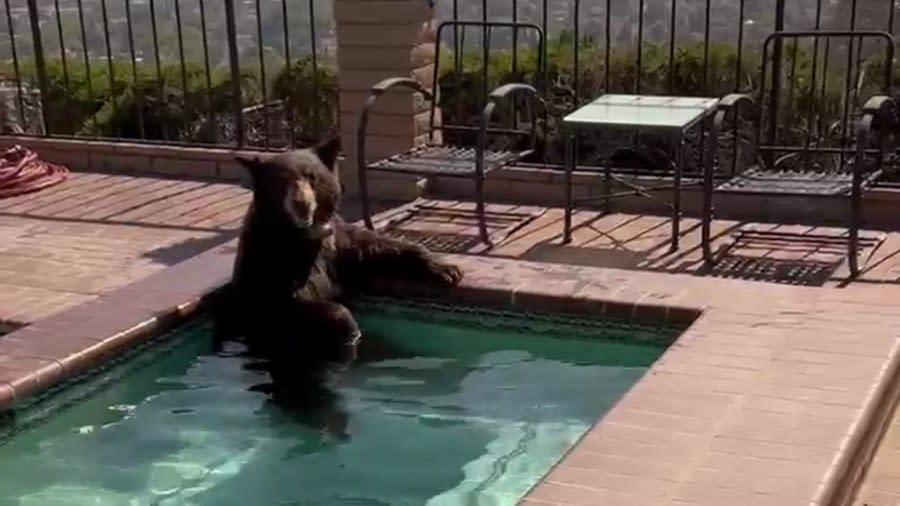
[[304, 204]]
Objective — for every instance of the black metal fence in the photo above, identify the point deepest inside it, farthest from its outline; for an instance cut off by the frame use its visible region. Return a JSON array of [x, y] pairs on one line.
[[260, 73], [672, 47], [256, 73], [643, 30]]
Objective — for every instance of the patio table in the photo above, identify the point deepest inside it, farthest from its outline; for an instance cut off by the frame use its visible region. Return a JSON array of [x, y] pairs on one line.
[[671, 116]]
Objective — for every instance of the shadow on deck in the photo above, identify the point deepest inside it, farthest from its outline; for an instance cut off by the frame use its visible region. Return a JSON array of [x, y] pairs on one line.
[[810, 256]]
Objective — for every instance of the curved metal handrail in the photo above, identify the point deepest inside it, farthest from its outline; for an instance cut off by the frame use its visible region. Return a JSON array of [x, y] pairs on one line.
[[732, 104], [501, 92], [374, 94], [874, 110], [487, 113]]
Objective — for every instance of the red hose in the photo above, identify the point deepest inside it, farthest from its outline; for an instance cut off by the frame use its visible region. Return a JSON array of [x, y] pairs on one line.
[[21, 171]]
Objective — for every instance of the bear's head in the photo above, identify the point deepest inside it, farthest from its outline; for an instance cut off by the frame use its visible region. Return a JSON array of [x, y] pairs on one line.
[[298, 188]]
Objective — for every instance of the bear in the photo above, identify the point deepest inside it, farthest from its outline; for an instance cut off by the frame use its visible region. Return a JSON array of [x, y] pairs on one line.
[[297, 259]]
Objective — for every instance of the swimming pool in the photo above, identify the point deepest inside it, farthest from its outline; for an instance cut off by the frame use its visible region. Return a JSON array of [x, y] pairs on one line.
[[444, 407]]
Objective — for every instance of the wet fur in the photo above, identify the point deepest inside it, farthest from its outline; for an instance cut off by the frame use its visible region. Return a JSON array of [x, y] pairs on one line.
[[292, 268]]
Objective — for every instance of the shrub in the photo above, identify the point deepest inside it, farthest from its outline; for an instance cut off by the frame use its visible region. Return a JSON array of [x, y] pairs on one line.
[[158, 105]]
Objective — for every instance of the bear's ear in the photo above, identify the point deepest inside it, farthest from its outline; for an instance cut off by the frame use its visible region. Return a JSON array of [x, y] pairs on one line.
[[328, 151]]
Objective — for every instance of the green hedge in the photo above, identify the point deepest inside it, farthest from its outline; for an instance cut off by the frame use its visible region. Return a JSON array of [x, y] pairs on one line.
[[157, 106], [462, 95]]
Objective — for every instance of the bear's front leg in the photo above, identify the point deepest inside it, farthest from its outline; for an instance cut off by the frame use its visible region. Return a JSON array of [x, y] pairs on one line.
[[307, 336], [328, 334], [316, 338], [363, 254]]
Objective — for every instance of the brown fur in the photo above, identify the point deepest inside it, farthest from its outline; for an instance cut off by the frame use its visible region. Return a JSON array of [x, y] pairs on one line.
[[297, 258]]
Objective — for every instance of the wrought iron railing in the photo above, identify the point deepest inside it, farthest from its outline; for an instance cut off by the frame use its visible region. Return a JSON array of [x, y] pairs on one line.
[[260, 73], [255, 73], [674, 47]]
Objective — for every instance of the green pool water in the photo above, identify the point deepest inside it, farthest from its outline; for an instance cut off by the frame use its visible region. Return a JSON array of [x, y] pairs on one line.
[[444, 408]]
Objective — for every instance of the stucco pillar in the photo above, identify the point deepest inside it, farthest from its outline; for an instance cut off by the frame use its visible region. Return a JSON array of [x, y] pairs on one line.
[[377, 39]]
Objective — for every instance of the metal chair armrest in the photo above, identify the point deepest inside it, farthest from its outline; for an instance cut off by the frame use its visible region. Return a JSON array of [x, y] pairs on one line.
[[879, 114], [736, 100], [500, 93], [506, 90], [401, 82], [377, 91], [879, 104], [884, 113], [730, 106]]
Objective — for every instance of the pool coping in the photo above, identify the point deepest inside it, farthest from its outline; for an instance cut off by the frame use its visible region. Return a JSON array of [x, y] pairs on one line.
[[65, 345]]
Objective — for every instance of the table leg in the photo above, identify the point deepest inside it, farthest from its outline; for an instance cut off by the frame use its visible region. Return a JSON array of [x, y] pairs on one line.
[[676, 196], [607, 183], [708, 167], [569, 168]]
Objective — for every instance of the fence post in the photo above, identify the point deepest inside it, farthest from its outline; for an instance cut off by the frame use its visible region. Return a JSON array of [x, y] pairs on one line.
[[775, 92], [39, 62], [378, 39], [234, 64]]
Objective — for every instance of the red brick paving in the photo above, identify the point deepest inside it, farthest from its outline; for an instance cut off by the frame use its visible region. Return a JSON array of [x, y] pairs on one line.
[[797, 385], [755, 403], [96, 232], [642, 243]]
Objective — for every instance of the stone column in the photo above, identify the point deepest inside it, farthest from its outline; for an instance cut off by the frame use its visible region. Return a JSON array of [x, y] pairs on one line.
[[378, 39]]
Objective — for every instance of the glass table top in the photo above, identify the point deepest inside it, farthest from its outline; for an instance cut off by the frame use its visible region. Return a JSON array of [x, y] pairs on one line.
[[647, 111]]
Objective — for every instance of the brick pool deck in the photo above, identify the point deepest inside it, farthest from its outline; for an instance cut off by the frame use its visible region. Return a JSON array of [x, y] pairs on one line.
[[769, 397], [96, 232]]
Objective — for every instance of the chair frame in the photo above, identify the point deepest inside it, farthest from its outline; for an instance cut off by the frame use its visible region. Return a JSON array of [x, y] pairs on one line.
[[481, 166], [878, 113]]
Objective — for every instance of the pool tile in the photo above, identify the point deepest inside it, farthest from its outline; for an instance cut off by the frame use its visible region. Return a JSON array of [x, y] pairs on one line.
[[645, 311], [496, 296], [7, 396], [637, 451], [887, 496], [704, 406], [12, 364], [692, 492], [85, 359], [594, 462], [769, 450], [610, 478], [571, 495], [27, 376], [677, 422], [48, 346], [681, 316], [766, 475], [555, 296]]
